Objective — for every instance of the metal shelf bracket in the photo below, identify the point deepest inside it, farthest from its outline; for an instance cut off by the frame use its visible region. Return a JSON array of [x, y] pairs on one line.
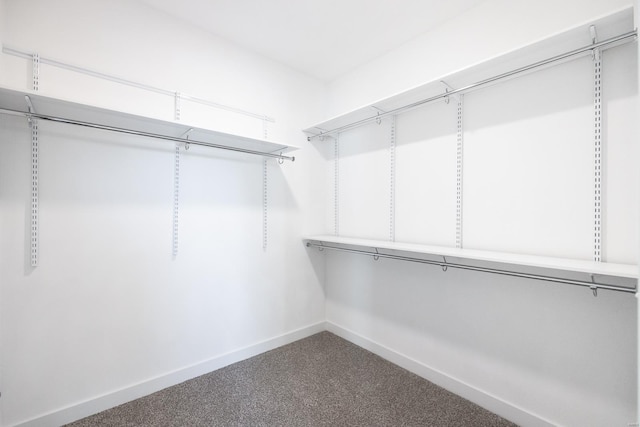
[[448, 89]]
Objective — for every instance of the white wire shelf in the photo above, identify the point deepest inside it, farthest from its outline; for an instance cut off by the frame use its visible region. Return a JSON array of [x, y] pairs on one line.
[[595, 275], [13, 102], [613, 30]]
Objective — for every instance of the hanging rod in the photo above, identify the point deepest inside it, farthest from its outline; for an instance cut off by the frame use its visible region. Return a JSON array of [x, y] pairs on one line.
[[139, 133], [618, 40], [92, 73], [445, 264]]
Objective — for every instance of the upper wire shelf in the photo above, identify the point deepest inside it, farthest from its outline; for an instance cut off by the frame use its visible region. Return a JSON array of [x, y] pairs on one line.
[[14, 102], [613, 31]]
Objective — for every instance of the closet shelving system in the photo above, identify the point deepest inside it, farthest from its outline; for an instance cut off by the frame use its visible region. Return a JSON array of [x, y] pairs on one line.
[[603, 34], [595, 275], [35, 107]]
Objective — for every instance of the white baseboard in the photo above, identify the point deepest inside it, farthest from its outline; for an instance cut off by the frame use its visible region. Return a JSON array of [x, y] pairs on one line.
[[136, 391], [492, 403], [127, 394]]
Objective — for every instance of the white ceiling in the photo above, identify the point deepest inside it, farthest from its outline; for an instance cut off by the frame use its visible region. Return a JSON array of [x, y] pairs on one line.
[[322, 38]]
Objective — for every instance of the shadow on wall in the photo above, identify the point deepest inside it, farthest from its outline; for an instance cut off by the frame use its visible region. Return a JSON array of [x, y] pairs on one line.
[[510, 337]]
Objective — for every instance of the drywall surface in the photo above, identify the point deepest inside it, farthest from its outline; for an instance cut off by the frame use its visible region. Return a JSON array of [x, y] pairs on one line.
[[636, 9], [490, 29], [552, 351], [636, 4], [108, 307]]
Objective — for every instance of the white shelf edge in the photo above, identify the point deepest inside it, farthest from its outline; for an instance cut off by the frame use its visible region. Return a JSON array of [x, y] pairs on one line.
[[13, 99], [515, 261]]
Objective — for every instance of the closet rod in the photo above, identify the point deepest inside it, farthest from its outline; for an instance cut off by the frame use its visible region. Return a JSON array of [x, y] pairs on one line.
[[618, 40], [76, 69], [140, 133], [591, 285]]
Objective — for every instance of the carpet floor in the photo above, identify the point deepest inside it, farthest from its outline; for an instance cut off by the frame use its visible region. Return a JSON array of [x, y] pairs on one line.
[[322, 380]]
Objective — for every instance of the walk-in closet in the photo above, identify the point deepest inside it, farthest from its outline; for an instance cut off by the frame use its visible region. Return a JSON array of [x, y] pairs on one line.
[[218, 212]]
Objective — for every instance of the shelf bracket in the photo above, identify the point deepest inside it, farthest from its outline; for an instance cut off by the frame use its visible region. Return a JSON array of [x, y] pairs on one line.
[[185, 135], [33, 124], [593, 287], [595, 53], [597, 104], [378, 110], [448, 89], [320, 135]]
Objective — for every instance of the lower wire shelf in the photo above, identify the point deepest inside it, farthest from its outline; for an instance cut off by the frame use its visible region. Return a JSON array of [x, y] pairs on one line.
[[594, 275]]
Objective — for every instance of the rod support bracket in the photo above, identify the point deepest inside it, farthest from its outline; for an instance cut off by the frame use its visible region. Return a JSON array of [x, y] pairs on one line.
[[447, 89], [595, 53], [594, 289], [29, 108], [185, 135]]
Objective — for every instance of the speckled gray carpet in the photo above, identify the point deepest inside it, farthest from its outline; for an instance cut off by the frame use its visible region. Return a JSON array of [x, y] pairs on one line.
[[322, 380]]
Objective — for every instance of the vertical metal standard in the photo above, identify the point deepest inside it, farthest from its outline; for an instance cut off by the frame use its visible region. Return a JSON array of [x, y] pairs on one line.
[[176, 106], [176, 191], [176, 198], [597, 103], [392, 181], [336, 186], [33, 124], [459, 164], [35, 61], [265, 204], [265, 200]]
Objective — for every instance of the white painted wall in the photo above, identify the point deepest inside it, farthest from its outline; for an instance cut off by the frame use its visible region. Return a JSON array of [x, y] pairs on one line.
[[636, 8], [552, 351], [108, 308]]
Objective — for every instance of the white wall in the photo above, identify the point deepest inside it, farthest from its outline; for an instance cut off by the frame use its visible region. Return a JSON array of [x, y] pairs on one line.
[[636, 7], [108, 308], [554, 352]]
